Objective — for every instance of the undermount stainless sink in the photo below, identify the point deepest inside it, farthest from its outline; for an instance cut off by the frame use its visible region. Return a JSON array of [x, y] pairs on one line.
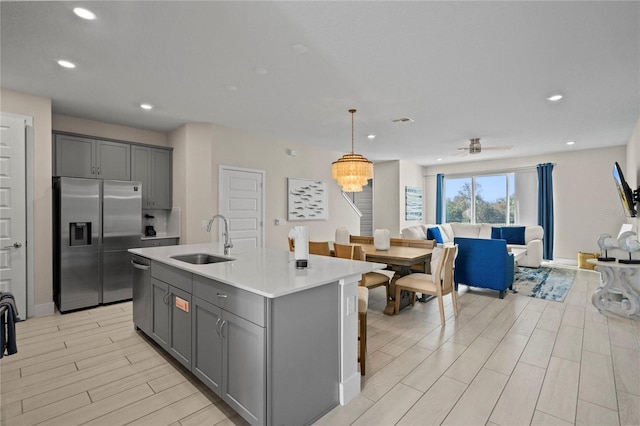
[[201, 258]]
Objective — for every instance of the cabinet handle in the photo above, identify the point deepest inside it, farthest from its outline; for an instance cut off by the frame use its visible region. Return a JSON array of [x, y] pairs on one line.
[[93, 170], [222, 296], [221, 327], [165, 298], [217, 330], [98, 170]]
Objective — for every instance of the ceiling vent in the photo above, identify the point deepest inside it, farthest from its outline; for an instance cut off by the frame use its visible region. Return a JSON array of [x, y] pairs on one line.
[[403, 120]]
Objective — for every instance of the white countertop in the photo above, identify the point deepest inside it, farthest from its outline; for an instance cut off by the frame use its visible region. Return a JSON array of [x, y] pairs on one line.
[[267, 272]]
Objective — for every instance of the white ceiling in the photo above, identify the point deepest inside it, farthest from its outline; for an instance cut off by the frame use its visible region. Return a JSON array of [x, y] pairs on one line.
[[459, 69]]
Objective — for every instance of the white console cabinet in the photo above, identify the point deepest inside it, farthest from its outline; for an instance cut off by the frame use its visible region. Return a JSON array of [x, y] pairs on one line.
[[619, 291]]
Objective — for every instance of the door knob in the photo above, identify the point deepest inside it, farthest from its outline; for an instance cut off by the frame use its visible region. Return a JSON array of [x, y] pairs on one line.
[[17, 244]]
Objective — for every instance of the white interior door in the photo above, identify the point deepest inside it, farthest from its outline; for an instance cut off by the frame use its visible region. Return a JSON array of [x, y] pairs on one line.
[[241, 201], [13, 210]]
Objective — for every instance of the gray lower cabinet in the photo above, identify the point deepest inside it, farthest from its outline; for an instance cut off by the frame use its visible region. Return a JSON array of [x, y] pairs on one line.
[[207, 344], [159, 242], [273, 360], [229, 357], [171, 320], [160, 312], [76, 156]]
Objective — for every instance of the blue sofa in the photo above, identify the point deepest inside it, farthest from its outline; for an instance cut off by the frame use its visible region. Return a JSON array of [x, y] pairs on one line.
[[484, 263]]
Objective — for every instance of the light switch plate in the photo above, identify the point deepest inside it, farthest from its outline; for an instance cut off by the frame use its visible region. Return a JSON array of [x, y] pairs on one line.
[[351, 305]]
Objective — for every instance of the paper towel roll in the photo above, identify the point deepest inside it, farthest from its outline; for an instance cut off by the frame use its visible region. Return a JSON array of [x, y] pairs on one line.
[[300, 235]]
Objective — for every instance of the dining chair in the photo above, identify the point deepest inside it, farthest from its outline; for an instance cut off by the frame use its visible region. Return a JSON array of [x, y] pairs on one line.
[[319, 247], [359, 239], [344, 251], [439, 283], [369, 279], [427, 244]]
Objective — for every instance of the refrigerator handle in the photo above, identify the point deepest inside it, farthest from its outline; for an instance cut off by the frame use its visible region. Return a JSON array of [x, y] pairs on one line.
[[140, 266]]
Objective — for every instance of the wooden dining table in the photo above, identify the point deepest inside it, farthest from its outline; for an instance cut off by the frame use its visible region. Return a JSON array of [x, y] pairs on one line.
[[400, 259]]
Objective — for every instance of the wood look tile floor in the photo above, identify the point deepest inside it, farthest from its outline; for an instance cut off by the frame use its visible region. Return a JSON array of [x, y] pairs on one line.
[[514, 361]]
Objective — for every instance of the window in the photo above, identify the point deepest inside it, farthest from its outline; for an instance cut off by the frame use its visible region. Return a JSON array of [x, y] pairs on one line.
[[500, 199], [458, 196]]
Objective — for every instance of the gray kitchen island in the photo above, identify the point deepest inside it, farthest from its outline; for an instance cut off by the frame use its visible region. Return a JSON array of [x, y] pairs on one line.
[[276, 343]]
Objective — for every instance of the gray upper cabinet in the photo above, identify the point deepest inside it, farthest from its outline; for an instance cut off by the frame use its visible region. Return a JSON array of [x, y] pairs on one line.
[[76, 156], [113, 160], [153, 167]]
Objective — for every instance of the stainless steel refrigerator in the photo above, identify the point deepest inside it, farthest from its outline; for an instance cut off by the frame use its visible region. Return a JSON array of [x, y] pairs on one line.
[[95, 223]]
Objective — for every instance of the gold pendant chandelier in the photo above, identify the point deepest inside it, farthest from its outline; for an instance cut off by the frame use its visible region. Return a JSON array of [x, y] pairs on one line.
[[352, 171]]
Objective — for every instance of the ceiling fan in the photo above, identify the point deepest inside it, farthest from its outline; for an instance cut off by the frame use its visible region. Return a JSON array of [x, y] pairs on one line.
[[475, 147]]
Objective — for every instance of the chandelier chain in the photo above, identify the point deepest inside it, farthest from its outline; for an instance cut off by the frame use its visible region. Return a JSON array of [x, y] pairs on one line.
[[353, 149]]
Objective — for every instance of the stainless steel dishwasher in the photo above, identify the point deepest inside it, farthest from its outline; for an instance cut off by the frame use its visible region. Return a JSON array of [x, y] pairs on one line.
[[141, 293]]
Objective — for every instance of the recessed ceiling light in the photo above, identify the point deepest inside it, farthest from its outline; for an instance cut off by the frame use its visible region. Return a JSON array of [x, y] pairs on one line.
[[260, 71], [299, 48], [146, 106], [371, 136], [66, 64], [571, 142], [438, 159], [84, 13], [554, 98]]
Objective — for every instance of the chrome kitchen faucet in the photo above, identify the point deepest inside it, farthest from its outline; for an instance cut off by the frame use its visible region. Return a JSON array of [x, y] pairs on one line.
[[227, 239]]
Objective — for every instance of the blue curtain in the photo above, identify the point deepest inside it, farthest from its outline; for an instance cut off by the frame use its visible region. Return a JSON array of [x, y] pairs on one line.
[[545, 207], [439, 197]]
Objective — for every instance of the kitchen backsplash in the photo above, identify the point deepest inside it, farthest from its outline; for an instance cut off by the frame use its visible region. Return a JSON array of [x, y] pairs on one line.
[[165, 222]]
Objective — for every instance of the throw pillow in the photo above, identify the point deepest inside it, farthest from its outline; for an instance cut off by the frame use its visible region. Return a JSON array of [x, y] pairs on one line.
[[447, 232], [434, 234], [413, 233], [514, 234], [496, 233]]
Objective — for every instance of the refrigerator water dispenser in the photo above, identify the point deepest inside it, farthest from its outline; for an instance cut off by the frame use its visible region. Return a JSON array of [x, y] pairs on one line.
[[80, 234]]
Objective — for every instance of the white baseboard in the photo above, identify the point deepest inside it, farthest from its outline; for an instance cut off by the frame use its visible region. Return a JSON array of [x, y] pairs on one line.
[[562, 261], [44, 310]]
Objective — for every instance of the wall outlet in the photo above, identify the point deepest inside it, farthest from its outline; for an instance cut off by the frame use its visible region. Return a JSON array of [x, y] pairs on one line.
[[204, 224], [280, 222], [351, 309]]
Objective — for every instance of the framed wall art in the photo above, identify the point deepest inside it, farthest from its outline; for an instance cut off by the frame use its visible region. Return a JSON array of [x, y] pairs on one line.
[[412, 203], [306, 200]]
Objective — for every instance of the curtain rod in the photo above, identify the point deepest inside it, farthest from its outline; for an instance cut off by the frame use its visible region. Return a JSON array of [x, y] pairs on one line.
[[489, 172]]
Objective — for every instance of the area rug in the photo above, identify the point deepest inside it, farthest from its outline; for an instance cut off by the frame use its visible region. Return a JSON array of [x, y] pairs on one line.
[[544, 282]]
